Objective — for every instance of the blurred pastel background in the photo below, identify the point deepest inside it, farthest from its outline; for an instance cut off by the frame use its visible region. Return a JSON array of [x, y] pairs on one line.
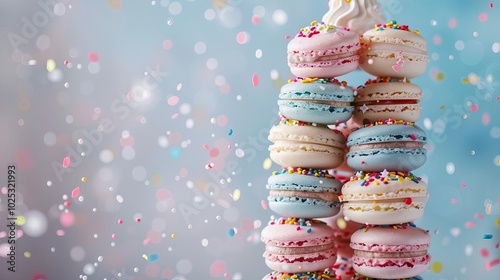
[[139, 134]]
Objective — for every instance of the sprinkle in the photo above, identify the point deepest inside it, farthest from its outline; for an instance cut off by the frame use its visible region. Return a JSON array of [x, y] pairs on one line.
[[492, 263], [255, 80], [315, 28], [305, 171], [66, 162], [470, 224], [487, 236], [230, 132], [408, 200], [75, 192]]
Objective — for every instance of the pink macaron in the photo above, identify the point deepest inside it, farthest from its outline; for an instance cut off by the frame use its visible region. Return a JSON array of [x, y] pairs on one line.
[[391, 251], [322, 50], [298, 245]]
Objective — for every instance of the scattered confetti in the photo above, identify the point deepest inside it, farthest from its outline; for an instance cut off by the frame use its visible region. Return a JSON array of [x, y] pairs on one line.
[[66, 162], [436, 267], [487, 236], [75, 192], [255, 80]]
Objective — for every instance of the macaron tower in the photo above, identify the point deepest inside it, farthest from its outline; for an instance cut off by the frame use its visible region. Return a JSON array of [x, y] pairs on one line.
[[384, 194], [298, 244]]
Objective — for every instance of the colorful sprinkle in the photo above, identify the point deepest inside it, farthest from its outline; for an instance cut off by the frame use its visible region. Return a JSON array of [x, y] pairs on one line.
[[304, 171], [316, 28]]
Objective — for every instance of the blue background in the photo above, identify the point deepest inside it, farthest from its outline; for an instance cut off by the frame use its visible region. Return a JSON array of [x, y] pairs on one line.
[[143, 95]]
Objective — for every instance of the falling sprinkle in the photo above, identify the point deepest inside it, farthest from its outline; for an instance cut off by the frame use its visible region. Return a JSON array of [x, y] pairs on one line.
[[485, 118], [152, 258], [492, 263], [267, 163], [470, 224], [473, 108], [84, 179], [287, 37], [436, 267], [236, 194], [484, 252], [487, 236], [51, 65], [231, 232], [93, 57], [66, 162], [230, 132], [483, 17], [75, 192], [255, 80], [263, 204]]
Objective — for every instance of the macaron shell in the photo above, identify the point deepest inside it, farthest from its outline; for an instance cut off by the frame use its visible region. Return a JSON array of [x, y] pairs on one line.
[[388, 91], [301, 263], [406, 156], [382, 213], [287, 235], [303, 196], [306, 146], [389, 99], [374, 270], [315, 112], [386, 133], [381, 238], [328, 55], [403, 159], [327, 69], [397, 200], [389, 240], [383, 48], [375, 188], [382, 63], [409, 112], [293, 248], [303, 207]]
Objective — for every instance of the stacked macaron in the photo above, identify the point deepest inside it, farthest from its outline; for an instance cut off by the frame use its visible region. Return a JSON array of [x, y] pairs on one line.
[[384, 194], [298, 244]]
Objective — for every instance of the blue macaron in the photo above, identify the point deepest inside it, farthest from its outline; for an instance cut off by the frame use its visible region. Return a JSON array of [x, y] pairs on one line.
[[391, 145], [304, 193], [316, 100]]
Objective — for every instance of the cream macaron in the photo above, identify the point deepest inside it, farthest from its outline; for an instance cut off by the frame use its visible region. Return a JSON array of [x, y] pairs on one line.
[[393, 50], [306, 145], [384, 197], [387, 98]]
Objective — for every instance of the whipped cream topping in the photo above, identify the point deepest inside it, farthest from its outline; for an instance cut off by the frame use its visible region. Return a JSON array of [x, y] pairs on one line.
[[357, 15]]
